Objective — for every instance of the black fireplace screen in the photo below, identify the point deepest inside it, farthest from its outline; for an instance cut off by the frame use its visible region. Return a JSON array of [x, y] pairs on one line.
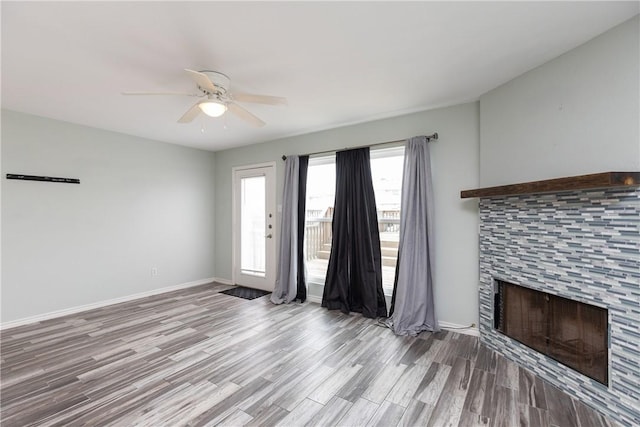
[[571, 332]]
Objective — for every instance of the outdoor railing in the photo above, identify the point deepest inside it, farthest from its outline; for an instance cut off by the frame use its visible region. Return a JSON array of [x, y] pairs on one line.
[[318, 231], [389, 221], [317, 235]]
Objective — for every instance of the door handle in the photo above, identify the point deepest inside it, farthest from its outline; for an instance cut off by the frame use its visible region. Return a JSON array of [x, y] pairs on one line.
[[269, 236]]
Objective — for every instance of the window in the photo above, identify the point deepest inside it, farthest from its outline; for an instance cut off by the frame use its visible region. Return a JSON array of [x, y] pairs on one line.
[[386, 171], [252, 225]]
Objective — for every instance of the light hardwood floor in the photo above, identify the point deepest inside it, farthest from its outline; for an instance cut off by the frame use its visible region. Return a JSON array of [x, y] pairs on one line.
[[198, 357]]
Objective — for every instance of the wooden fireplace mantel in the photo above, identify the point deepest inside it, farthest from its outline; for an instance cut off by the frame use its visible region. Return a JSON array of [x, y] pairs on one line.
[[580, 182]]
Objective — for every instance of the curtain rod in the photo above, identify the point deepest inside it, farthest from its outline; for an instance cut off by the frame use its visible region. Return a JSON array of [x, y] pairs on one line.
[[434, 137]]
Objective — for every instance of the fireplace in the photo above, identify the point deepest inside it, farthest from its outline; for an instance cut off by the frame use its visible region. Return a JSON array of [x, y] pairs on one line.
[[575, 238], [569, 331]]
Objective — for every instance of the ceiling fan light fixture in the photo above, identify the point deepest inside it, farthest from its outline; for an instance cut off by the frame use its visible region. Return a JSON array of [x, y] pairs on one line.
[[213, 108]]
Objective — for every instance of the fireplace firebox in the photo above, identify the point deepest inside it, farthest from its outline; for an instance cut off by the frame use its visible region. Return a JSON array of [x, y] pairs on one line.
[[571, 332]]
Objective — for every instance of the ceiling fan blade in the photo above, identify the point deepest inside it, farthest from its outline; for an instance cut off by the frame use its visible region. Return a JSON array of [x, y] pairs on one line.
[[191, 114], [244, 114], [202, 80], [259, 99], [162, 93]]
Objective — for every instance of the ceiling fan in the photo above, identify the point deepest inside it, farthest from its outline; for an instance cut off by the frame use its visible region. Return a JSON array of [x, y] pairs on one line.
[[213, 89]]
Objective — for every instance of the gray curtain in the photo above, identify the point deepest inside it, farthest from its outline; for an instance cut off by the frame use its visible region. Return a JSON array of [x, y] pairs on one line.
[[286, 286], [412, 307]]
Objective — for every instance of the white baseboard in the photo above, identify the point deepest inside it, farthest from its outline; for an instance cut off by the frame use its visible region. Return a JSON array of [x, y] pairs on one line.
[[72, 310], [461, 329], [100, 304]]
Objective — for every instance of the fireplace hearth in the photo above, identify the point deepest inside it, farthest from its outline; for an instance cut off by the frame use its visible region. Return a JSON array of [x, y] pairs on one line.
[[571, 332]]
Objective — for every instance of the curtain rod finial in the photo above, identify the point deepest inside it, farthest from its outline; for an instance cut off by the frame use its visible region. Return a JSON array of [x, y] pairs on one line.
[[284, 157], [435, 135]]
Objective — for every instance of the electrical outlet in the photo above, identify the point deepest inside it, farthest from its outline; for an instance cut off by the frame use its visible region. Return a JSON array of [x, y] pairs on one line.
[[154, 271]]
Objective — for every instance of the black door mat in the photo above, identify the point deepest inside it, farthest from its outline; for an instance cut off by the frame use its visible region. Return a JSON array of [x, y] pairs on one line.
[[246, 293]]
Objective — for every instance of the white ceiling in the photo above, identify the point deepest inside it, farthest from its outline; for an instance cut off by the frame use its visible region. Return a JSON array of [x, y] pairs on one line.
[[337, 63]]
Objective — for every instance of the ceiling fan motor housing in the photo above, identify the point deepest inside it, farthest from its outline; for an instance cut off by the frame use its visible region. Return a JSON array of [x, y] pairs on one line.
[[220, 81]]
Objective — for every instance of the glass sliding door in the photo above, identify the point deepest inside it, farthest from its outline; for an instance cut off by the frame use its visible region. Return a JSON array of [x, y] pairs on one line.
[[386, 170], [321, 187]]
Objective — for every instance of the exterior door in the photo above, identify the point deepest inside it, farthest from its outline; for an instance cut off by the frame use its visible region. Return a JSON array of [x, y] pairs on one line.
[[254, 221]]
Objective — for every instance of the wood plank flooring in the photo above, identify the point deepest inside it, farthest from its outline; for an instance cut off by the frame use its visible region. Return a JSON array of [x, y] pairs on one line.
[[197, 357]]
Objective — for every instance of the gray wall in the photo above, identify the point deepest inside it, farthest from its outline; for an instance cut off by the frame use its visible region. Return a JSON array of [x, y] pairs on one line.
[[576, 114], [140, 204], [455, 167]]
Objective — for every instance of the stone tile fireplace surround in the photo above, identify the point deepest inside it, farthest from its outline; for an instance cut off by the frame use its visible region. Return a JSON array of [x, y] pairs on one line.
[[579, 244]]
